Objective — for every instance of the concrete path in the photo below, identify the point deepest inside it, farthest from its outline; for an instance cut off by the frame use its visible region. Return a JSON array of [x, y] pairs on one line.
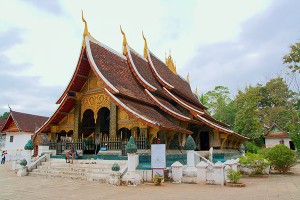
[[27, 188]]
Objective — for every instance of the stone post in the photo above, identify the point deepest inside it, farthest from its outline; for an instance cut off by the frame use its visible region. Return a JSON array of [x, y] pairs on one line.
[[201, 172], [28, 154], [191, 169], [131, 163], [177, 172], [219, 173], [210, 154]]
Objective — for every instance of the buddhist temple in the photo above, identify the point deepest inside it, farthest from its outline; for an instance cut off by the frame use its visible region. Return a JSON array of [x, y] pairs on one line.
[[112, 96]]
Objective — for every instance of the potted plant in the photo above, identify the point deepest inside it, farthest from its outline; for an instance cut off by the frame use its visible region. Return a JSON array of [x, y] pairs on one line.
[[157, 179], [114, 178], [23, 169], [234, 177]]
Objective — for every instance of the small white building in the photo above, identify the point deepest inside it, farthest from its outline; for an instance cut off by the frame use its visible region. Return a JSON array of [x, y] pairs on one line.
[[17, 130], [277, 136]]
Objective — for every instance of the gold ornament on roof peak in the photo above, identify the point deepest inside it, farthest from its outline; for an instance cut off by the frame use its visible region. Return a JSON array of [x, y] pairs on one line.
[[197, 91], [145, 46], [86, 31], [170, 63], [188, 77], [124, 41]]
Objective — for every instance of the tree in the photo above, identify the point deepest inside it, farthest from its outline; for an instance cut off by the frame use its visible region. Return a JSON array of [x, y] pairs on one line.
[[259, 107], [293, 58], [4, 115], [220, 105]]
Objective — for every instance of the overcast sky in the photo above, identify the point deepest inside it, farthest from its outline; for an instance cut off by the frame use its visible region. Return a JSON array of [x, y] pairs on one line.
[[232, 43]]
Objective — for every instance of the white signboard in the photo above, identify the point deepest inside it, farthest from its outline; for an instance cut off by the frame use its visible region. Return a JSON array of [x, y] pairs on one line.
[[158, 155]]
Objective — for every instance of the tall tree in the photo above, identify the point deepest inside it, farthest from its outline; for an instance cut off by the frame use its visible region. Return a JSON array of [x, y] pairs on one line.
[[4, 115], [293, 57], [220, 105]]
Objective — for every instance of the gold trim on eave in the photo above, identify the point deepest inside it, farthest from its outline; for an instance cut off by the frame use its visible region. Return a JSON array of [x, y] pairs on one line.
[[145, 46], [124, 41]]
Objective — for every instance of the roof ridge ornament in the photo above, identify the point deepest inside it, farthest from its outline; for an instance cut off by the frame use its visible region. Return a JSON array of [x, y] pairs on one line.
[[170, 63], [145, 46], [196, 91], [86, 30], [124, 41], [188, 77]]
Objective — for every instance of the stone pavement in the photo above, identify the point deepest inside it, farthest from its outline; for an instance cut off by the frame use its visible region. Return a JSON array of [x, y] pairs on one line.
[[23, 188]]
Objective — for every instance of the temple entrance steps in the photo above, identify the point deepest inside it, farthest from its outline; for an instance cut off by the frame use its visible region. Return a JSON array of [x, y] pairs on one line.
[[86, 170]]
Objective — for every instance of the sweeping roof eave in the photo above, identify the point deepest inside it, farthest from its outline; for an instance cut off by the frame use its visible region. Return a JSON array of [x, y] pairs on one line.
[[146, 114]]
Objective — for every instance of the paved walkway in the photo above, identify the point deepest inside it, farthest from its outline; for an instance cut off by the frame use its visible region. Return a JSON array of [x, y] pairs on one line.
[[274, 187]]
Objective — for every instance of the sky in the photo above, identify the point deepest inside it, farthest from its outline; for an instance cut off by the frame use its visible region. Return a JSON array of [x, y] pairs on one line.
[[233, 43]]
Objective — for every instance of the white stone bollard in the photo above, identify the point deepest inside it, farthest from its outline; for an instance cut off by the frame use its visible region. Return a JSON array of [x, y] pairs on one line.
[[234, 165], [132, 177], [201, 172], [191, 170], [177, 172], [210, 154], [219, 173], [28, 154]]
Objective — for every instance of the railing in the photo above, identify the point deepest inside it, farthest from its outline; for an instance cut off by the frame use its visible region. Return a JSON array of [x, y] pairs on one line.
[[202, 158], [108, 143], [39, 161]]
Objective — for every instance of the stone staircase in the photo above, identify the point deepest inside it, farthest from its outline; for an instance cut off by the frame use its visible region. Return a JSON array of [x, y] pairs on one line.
[[86, 170]]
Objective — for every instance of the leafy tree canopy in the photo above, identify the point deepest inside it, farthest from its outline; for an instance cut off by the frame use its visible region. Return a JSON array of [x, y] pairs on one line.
[[293, 58], [4, 115]]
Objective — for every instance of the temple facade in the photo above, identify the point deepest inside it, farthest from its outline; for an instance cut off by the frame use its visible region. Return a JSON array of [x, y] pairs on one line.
[[112, 96]]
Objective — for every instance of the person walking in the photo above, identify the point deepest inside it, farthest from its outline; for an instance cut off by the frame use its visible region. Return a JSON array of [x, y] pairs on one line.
[[3, 158]]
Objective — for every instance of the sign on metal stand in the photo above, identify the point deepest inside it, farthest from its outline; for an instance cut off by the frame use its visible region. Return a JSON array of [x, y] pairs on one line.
[[158, 159]]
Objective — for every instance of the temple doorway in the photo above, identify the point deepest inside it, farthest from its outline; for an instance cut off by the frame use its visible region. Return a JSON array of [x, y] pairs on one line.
[[204, 141], [88, 131], [103, 122], [124, 134]]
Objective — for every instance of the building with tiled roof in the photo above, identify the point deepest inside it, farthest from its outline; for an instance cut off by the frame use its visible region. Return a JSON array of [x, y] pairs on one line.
[[275, 136], [17, 129], [112, 96]]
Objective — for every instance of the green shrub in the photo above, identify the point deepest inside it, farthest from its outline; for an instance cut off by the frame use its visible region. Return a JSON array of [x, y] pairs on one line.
[[131, 146], [257, 162], [23, 162], [190, 143], [234, 176], [29, 145], [251, 147], [157, 179], [115, 167], [263, 152], [282, 158]]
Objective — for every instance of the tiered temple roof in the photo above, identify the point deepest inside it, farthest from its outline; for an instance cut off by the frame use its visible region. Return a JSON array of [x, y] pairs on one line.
[[143, 86]]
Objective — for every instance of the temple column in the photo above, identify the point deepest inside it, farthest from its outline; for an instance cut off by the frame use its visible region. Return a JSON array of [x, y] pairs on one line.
[[217, 141], [113, 120], [77, 114]]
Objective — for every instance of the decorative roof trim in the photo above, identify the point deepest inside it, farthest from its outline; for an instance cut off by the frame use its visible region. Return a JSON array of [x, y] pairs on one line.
[[215, 125], [206, 121], [182, 117], [91, 59], [156, 124], [186, 105], [152, 88], [168, 85], [107, 48]]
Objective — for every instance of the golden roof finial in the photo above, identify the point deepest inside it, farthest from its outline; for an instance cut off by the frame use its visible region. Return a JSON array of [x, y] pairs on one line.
[[170, 63], [197, 91], [145, 46], [188, 77], [124, 41], [86, 31]]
